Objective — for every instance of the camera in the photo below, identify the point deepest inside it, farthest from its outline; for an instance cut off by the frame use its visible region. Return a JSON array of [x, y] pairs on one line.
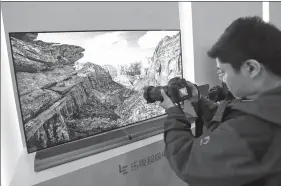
[[176, 89]]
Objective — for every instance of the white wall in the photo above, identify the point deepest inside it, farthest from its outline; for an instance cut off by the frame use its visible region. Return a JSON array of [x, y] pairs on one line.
[[11, 142], [210, 19], [275, 13], [185, 12]]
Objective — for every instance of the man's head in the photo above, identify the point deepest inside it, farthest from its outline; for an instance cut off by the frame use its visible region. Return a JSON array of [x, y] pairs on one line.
[[248, 54]]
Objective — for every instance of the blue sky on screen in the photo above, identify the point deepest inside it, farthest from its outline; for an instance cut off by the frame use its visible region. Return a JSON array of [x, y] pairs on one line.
[[113, 48]]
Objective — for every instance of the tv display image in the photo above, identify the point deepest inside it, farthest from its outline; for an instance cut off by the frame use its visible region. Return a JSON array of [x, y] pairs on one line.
[[73, 85]]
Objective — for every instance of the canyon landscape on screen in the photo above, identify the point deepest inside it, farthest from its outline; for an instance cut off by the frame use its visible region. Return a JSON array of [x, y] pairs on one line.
[[73, 85]]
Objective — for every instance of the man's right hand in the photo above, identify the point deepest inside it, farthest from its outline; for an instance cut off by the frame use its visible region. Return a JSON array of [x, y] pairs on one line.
[[195, 93]]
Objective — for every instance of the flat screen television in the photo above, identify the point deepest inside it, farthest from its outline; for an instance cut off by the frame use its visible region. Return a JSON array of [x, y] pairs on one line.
[[73, 85]]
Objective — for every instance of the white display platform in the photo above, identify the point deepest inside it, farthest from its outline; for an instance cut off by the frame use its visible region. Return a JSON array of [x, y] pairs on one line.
[[105, 169]]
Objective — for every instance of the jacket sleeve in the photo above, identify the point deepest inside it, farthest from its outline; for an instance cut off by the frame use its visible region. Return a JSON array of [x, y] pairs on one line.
[[218, 158]]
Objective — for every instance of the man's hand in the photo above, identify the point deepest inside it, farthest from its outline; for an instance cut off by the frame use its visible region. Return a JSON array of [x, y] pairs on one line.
[[195, 94], [167, 103]]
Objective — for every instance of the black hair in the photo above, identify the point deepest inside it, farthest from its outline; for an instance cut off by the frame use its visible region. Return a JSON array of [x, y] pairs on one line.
[[249, 38]]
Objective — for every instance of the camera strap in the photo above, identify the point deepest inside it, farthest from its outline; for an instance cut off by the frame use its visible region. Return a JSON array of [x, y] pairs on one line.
[[218, 117]]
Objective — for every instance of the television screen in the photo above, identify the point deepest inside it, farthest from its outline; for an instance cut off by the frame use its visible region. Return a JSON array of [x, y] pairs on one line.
[[73, 85]]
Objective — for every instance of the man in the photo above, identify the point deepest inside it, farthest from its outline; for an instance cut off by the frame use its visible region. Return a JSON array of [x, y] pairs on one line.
[[242, 146]]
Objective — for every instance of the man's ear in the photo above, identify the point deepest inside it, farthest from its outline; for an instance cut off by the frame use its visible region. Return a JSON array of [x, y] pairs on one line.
[[251, 67]]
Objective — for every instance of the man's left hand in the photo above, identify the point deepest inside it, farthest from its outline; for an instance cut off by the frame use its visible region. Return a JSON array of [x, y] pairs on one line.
[[167, 103]]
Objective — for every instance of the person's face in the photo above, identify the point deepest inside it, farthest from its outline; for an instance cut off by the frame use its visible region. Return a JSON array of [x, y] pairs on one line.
[[220, 74], [239, 83]]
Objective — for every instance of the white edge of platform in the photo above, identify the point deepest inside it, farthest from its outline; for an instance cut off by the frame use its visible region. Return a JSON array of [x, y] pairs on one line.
[[26, 176]]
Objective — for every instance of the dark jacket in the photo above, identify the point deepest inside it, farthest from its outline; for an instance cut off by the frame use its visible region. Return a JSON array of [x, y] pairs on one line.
[[244, 150]]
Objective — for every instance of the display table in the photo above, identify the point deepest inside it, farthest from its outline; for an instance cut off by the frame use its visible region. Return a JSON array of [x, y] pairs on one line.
[[130, 165]]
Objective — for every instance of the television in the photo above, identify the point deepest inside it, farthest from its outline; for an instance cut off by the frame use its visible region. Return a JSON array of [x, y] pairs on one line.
[[73, 85]]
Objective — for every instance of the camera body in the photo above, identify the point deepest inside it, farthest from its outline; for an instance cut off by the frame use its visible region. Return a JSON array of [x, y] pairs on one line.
[[176, 89]]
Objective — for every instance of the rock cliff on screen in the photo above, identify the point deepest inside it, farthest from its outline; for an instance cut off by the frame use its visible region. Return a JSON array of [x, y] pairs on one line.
[[72, 85]]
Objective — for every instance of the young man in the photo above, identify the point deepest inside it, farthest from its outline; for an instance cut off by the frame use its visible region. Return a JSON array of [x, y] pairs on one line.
[[243, 144]]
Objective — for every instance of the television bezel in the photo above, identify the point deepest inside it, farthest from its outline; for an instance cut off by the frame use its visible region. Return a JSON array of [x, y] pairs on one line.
[[127, 127]]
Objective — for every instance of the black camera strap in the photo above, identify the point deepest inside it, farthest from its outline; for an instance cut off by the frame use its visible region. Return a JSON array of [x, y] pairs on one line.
[[218, 117]]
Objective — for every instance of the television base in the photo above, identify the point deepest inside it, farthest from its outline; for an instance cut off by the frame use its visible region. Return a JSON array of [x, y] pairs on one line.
[[71, 151]]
